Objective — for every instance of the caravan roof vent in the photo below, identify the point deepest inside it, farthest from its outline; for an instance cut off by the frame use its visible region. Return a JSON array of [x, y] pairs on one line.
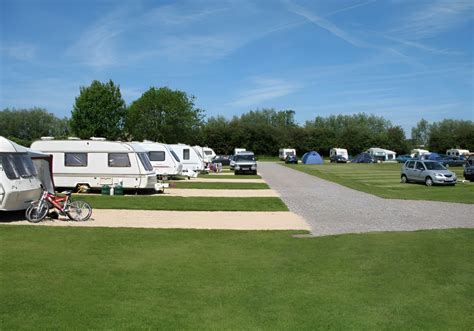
[[47, 138], [97, 138], [73, 138]]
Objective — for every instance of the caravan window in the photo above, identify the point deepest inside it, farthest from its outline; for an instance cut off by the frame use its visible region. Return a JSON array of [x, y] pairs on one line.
[[16, 166], [75, 159], [186, 154], [175, 156], [145, 161], [119, 160], [208, 152], [157, 156]]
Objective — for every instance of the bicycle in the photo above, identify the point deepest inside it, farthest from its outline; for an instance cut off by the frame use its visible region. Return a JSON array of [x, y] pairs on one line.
[[75, 210]]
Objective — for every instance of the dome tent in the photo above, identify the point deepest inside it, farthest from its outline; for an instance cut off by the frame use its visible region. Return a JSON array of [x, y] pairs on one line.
[[312, 157]]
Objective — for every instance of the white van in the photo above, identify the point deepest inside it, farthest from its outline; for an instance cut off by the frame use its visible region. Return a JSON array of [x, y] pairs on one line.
[[163, 159], [97, 162], [238, 150], [284, 152], [192, 163], [456, 152], [19, 181], [338, 155]]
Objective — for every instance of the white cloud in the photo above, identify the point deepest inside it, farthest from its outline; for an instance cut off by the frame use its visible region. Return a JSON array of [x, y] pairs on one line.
[[19, 51], [264, 89]]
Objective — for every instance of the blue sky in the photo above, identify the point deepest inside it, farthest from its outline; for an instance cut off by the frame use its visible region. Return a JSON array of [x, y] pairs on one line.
[[401, 59]]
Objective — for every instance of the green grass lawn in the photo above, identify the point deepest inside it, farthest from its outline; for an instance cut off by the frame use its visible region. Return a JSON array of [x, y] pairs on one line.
[[383, 180], [100, 278], [141, 202], [220, 186], [230, 176]]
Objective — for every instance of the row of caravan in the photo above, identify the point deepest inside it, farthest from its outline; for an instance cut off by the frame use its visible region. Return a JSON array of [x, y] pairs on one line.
[[90, 164]]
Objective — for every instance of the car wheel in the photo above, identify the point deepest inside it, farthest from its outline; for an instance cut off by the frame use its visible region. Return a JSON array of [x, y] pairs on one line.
[[428, 181], [404, 179]]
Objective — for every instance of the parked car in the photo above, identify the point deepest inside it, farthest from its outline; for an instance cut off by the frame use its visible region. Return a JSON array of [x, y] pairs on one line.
[[223, 159], [231, 162], [244, 162], [403, 158], [427, 171], [291, 159], [469, 168], [454, 161], [338, 159]]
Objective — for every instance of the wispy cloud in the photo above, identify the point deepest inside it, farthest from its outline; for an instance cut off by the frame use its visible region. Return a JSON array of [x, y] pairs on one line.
[[435, 17], [357, 5], [264, 89], [173, 15], [19, 51], [324, 24]]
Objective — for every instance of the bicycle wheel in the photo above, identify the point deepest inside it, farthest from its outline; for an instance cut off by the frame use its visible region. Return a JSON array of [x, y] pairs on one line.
[[36, 212], [79, 210]]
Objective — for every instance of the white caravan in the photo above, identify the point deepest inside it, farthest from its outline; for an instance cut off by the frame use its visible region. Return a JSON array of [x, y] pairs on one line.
[[97, 162], [381, 154], [205, 153], [284, 152], [192, 163], [22, 172], [163, 159], [238, 150], [417, 152], [456, 152], [333, 152]]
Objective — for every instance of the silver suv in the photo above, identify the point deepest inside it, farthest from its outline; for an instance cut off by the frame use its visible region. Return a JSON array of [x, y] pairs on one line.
[[429, 172], [244, 162]]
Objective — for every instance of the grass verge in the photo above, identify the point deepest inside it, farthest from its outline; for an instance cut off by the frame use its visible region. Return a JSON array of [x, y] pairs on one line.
[[231, 176], [185, 203], [383, 180], [99, 278], [220, 186]]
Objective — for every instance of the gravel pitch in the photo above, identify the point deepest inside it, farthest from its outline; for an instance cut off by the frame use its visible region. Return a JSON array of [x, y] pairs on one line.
[[331, 208]]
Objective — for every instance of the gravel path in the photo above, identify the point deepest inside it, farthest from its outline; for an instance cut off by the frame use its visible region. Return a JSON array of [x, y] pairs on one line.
[[330, 208]]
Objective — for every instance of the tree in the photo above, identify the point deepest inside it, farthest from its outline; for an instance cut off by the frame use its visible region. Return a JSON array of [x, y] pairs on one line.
[[448, 134], [26, 125], [164, 115], [421, 133], [99, 111]]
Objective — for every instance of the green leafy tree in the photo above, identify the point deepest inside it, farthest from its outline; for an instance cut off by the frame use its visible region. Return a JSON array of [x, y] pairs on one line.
[[164, 115], [99, 111], [421, 133], [450, 133], [26, 125]]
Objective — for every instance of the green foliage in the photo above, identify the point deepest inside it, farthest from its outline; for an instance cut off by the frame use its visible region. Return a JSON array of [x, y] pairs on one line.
[[70, 278], [421, 133], [26, 125], [164, 115], [451, 134], [99, 111]]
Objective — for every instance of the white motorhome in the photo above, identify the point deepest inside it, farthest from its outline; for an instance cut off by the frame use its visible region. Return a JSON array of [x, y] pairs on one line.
[[22, 172], [284, 152], [381, 154], [192, 163], [456, 152], [205, 153], [335, 152], [417, 152], [163, 159], [97, 162]]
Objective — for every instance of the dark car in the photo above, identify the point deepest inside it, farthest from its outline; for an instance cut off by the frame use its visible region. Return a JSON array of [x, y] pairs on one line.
[[469, 168], [223, 159], [363, 158], [403, 158], [291, 159], [338, 159]]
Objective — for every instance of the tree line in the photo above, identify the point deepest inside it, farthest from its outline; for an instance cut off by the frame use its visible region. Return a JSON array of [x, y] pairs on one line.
[[170, 116]]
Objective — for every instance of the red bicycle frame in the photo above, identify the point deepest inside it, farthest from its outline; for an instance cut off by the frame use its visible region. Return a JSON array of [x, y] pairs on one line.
[[57, 201]]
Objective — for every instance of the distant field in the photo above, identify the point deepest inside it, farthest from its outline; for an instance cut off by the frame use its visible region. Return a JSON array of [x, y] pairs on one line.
[[135, 279], [231, 176], [220, 186], [383, 180], [141, 202]]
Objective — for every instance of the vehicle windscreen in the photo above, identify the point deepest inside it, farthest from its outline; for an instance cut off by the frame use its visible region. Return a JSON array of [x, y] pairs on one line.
[[145, 161], [434, 166], [16, 166], [241, 157], [175, 155]]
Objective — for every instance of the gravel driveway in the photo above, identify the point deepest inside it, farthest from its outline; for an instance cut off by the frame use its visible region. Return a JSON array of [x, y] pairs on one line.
[[330, 208]]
